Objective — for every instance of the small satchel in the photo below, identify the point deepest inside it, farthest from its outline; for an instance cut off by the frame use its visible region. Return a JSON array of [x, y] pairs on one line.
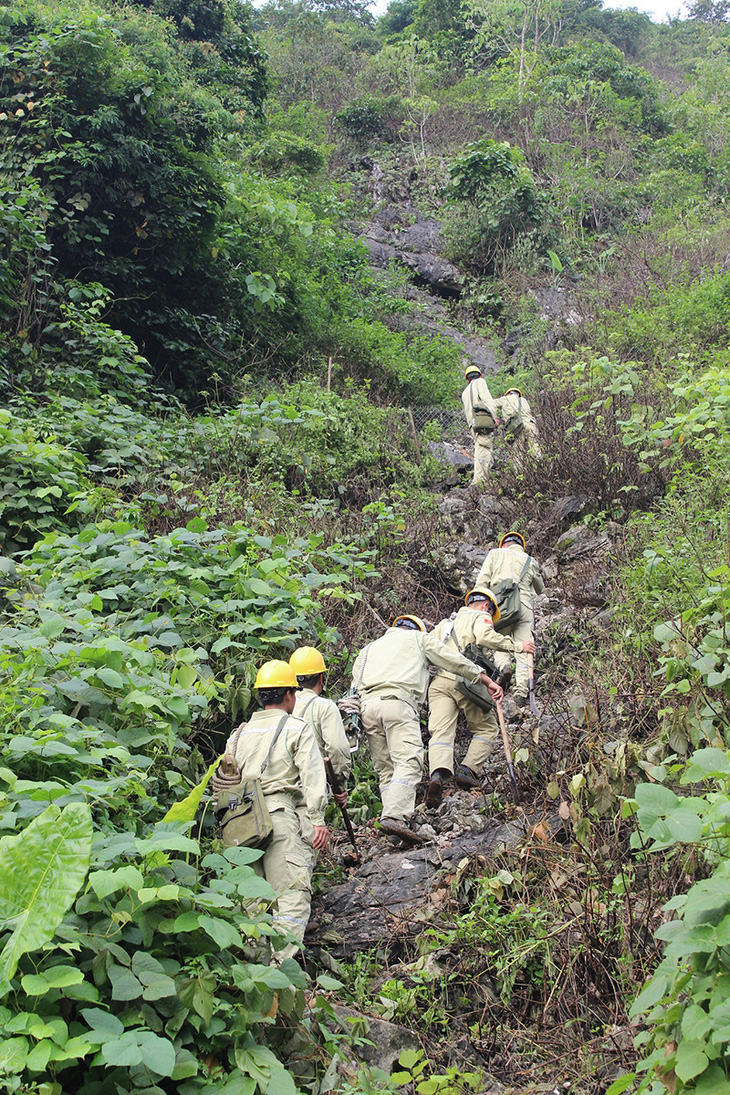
[[241, 810], [507, 594], [483, 417], [477, 693]]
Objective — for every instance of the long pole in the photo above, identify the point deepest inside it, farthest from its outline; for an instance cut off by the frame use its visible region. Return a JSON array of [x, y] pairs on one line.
[[508, 753], [335, 785], [531, 685]]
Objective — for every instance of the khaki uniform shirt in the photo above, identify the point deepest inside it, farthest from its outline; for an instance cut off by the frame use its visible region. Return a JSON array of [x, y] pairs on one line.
[[397, 664], [325, 719], [507, 562], [473, 626], [511, 405], [296, 768], [477, 391]]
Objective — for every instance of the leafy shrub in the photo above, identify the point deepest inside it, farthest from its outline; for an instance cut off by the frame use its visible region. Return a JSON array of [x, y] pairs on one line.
[[287, 152], [362, 119], [685, 1002], [38, 480], [501, 203]]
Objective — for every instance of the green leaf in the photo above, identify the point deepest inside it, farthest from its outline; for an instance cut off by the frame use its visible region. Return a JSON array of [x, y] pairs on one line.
[[110, 677], [695, 1023], [221, 932], [621, 1083], [43, 869], [13, 1054], [262, 589], [103, 1025], [57, 977], [125, 985], [186, 809], [124, 878], [691, 1059], [655, 799]]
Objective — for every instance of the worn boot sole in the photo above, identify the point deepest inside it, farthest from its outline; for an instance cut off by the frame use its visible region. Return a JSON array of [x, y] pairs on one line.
[[467, 782], [434, 793], [401, 830]]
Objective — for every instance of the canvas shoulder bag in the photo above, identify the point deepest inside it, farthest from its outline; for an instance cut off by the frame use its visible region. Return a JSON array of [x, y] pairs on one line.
[[242, 812], [515, 424], [507, 593], [482, 416], [478, 693]]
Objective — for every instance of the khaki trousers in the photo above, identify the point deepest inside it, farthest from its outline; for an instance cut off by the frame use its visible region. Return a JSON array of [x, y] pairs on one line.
[[526, 444], [287, 865], [445, 701], [394, 734], [519, 632], [483, 455]]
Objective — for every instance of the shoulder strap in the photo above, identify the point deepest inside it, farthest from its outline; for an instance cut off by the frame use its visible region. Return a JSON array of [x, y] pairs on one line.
[[358, 682], [525, 568], [307, 705], [278, 730]]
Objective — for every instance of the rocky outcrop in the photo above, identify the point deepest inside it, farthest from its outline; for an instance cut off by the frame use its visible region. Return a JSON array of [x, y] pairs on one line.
[[387, 900], [416, 245]]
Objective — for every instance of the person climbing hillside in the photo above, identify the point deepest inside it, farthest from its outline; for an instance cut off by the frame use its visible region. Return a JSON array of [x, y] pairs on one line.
[[321, 713], [519, 424], [505, 566], [391, 675], [472, 628], [282, 751], [481, 418]]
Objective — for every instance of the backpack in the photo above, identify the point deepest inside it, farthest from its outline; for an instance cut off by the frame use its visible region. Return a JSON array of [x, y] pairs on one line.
[[483, 417], [507, 593], [515, 425], [241, 811], [478, 693]]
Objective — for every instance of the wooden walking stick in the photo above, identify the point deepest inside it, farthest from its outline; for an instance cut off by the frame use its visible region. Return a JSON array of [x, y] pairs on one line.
[[335, 785], [508, 754], [531, 685]]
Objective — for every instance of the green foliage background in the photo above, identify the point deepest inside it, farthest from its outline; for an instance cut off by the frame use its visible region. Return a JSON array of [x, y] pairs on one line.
[[206, 459]]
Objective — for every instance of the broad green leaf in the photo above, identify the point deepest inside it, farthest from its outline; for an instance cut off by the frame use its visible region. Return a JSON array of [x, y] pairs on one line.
[[125, 985], [186, 809], [110, 677], [620, 1085], [691, 1059], [124, 878], [103, 1025], [13, 1054], [221, 932], [695, 1023], [655, 799], [57, 977], [43, 869]]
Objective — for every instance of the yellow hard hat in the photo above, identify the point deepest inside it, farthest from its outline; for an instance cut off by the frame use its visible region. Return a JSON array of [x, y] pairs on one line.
[[484, 592], [517, 535], [276, 674], [516, 391], [420, 625], [472, 370], [307, 661]]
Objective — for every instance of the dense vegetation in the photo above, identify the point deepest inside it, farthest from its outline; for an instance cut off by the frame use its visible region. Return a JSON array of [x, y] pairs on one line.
[[205, 458]]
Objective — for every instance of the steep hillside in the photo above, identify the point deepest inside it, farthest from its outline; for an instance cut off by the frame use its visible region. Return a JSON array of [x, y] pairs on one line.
[[244, 256]]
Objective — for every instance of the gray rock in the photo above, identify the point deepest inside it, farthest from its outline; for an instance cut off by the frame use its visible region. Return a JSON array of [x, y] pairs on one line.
[[460, 565], [388, 897], [417, 247], [580, 541], [389, 1039], [449, 454], [565, 510]]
